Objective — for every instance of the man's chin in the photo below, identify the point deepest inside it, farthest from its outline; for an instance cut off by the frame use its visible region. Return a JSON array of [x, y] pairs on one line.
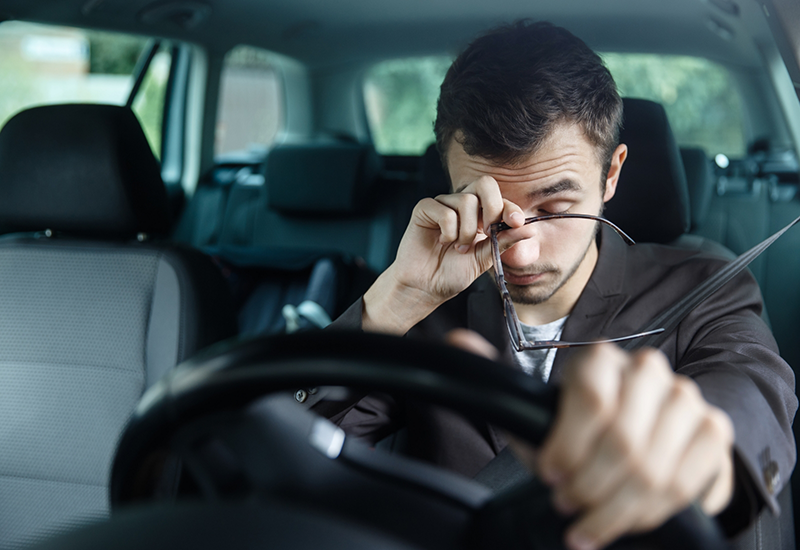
[[530, 295]]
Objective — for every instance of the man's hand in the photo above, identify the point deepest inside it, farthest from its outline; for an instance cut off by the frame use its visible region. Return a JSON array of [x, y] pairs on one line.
[[444, 249], [633, 443]]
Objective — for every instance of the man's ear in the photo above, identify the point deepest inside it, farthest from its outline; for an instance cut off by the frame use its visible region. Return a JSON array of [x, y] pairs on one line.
[[617, 160]]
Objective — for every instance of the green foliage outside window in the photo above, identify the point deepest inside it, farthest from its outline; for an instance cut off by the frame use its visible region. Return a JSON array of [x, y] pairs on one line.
[[401, 99], [113, 53], [149, 102], [699, 96], [44, 64]]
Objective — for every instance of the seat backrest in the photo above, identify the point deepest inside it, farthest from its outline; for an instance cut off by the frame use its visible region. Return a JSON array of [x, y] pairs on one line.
[[700, 181], [330, 196], [432, 178], [94, 308], [652, 200]]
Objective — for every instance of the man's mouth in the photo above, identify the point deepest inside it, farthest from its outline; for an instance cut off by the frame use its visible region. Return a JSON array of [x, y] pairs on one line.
[[522, 279]]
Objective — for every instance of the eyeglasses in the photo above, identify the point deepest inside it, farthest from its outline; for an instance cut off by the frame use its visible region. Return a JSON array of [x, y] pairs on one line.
[[515, 332]]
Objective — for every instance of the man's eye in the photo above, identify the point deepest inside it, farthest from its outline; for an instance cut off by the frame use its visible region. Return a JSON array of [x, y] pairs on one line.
[[552, 211]]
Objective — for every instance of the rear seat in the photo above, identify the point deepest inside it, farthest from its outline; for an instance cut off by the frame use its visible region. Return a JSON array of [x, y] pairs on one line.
[[319, 222], [330, 196], [211, 217], [729, 210], [740, 212]]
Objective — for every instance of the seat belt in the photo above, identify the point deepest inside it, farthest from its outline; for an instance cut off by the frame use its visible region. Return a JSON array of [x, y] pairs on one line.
[[504, 470], [672, 317]]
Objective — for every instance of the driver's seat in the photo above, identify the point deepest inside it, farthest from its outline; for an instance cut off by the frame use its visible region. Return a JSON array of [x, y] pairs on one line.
[[93, 307]]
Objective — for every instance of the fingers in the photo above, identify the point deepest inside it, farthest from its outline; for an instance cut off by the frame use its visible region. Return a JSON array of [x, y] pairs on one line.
[[465, 216], [644, 501], [473, 342], [644, 385], [588, 402], [633, 444], [468, 212]]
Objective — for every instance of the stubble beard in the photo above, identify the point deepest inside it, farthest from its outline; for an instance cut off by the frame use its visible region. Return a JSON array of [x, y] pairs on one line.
[[537, 293]]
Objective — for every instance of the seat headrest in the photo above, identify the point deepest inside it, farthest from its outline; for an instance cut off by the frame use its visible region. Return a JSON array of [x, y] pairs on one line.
[[80, 169], [652, 200], [700, 179], [432, 178], [329, 178]]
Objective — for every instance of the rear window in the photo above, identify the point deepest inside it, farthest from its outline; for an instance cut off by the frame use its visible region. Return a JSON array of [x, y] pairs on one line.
[[699, 96], [400, 97], [43, 64], [250, 108]]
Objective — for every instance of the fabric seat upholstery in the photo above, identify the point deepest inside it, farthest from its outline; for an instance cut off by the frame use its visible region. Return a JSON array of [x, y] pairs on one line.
[[90, 316]]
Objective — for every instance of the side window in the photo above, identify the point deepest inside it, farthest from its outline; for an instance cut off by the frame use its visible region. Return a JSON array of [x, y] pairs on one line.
[[43, 64], [149, 101], [400, 97], [699, 96], [250, 110]]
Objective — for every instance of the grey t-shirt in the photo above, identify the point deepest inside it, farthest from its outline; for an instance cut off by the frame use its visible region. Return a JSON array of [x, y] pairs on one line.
[[539, 362]]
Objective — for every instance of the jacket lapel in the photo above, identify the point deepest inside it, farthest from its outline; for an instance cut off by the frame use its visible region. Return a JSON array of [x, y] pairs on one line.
[[598, 305], [601, 300]]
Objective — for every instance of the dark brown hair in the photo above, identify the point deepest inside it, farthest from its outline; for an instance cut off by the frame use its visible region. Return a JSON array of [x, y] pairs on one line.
[[504, 94]]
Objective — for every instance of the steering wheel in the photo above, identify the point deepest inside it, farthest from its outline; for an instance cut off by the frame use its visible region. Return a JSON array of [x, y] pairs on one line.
[[207, 429]]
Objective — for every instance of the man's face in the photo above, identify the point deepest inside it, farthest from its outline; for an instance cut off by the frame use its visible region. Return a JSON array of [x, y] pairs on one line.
[[563, 175]]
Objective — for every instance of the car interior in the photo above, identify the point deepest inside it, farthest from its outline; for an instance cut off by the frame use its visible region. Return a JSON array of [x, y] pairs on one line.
[[182, 183]]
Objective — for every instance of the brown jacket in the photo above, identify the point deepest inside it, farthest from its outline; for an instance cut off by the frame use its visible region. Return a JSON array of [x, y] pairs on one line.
[[723, 345]]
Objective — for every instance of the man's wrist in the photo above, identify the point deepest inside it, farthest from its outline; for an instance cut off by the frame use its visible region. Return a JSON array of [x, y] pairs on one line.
[[392, 307]]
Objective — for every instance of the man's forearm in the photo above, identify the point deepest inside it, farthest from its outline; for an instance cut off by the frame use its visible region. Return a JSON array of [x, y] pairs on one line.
[[393, 308]]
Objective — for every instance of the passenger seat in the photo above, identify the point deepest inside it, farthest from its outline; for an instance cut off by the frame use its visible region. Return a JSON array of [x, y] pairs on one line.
[[94, 307]]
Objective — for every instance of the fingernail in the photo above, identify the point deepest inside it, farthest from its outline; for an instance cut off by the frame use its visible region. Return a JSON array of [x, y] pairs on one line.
[[517, 217], [463, 248], [564, 505], [577, 541]]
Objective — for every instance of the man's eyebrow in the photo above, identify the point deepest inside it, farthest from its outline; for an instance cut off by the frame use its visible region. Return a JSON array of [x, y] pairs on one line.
[[563, 186]]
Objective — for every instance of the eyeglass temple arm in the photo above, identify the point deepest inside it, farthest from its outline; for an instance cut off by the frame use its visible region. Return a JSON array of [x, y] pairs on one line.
[[559, 344], [503, 226]]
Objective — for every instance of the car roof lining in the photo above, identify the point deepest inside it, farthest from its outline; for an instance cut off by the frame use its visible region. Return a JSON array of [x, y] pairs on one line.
[[300, 29]]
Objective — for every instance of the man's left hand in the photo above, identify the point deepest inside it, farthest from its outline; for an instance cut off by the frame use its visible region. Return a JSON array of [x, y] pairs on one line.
[[633, 443]]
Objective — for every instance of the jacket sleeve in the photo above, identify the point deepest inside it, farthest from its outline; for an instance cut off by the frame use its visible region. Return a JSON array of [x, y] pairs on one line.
[[369, 417], [725, 346]]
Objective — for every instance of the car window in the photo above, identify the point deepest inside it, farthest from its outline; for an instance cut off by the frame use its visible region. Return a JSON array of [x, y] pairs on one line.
[[249, 113], [699, 96], [400, 98], [43, 64], [703, 107], [149, 101]]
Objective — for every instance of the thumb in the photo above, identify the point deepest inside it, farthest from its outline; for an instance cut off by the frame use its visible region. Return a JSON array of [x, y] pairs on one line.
[[484, 255]]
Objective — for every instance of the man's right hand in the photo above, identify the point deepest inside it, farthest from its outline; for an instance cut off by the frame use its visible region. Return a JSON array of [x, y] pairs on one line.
[[444, 249]]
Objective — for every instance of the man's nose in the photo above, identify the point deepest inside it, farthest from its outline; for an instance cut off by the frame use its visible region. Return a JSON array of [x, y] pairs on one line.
[[524, 253]]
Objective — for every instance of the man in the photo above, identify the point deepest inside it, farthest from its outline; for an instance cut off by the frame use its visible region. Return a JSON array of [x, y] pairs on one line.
[[527, 125]]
